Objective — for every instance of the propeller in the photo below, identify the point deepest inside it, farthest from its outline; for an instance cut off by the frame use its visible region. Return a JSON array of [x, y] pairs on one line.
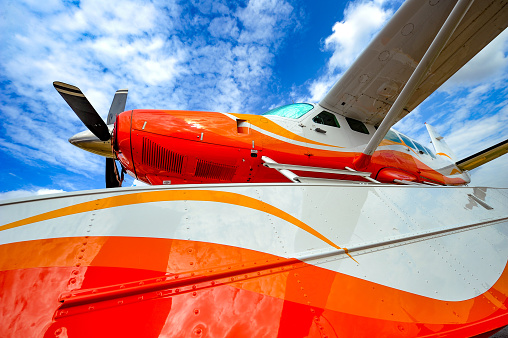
[[98, 139]]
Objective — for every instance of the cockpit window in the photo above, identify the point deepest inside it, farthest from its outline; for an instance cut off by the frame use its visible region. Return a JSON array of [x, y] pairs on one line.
[[420, 147], [292, 111], [430, 152], [357, 125], [407, 141], [392, 136], [326, 118]]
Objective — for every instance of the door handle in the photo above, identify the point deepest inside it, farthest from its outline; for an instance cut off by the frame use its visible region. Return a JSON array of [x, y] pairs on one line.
[[319, 130]]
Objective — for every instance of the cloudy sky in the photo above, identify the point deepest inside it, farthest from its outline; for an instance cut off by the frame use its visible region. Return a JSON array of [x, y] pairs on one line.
[[245, 57]]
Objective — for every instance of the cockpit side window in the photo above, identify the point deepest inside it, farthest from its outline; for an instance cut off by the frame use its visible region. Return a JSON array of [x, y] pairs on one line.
[[408, 142], [430, 152], [357, 125], [326, 118], [292, 111], [420, 147], [392, 136]]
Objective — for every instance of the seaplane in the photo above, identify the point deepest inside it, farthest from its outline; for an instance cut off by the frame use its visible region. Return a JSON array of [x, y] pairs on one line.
[[311, 220]]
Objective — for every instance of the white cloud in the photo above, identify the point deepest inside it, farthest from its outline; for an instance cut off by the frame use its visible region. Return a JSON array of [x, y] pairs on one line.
[[362, 20], [493, 174], [487, 66], [224, 27], [161, 51], [262, 22], [27, 193]]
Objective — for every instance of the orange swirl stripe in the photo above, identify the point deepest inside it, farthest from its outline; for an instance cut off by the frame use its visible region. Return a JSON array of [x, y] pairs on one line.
[[173, 195], [265, 124]]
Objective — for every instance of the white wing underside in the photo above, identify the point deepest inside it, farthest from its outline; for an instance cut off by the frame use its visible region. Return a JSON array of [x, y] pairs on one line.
[[369, 87]]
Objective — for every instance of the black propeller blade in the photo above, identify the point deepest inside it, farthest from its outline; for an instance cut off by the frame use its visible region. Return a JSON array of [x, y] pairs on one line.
[[87, 114], [83, 109], [113, 178], [117, 106]]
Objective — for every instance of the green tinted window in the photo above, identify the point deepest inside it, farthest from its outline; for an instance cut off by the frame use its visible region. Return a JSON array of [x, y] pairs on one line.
[[391, 136], [407, 141], [327, 119], [357, 125], [292, 111]]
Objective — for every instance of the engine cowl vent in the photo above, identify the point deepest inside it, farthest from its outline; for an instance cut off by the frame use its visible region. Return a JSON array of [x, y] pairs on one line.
[[212, 170], [161, 158]]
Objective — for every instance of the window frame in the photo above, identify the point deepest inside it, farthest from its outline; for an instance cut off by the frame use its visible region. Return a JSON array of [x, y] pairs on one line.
[[390, 131], [337, 124], [410, 144], [364, 129]]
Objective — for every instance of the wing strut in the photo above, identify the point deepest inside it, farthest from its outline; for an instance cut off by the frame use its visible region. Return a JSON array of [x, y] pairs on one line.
[[451, 23]]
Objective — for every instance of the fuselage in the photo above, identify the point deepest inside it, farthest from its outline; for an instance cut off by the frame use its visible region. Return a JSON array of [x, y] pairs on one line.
[[178, 147]]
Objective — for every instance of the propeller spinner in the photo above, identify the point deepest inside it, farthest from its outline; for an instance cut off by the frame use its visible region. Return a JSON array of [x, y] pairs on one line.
[[97, 139]]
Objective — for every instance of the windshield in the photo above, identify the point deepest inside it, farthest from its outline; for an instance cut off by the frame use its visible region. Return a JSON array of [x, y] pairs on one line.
[[292, 111]]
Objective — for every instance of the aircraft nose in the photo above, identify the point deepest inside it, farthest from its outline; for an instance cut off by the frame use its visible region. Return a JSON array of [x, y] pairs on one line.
[[89, 142]]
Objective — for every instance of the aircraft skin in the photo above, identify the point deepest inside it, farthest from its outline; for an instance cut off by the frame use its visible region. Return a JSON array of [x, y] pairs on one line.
[[256, 260], [178, 147], [244, 256]]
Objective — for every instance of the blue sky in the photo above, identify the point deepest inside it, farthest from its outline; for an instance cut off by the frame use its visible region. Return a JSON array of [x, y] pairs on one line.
[[245, 57]]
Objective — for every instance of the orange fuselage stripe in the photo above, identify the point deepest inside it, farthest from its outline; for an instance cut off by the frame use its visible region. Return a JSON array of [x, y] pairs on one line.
[[272, 127], [172, 195]]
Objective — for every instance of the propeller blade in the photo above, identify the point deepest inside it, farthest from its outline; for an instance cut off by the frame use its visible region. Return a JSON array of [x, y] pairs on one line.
[[113, 179], [83, 109], [117, 106]]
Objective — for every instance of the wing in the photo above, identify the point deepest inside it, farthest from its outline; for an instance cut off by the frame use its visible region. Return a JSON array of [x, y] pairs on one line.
[[369, 87], [484, 156]]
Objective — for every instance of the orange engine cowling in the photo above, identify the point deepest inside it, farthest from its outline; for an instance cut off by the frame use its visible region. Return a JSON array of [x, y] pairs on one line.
[[175, 147]]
